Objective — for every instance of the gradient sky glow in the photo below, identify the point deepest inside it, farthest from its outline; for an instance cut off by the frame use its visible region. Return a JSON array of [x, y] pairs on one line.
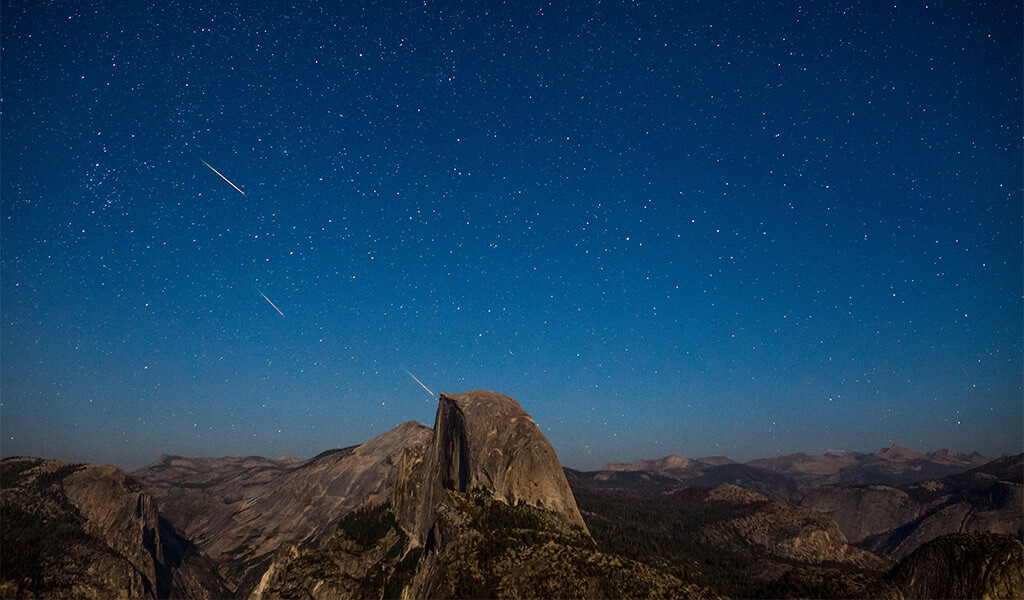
[[670, 227]]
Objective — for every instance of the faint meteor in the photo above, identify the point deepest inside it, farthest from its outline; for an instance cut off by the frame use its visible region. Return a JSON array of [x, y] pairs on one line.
[[420, 382], [268, 299], [232, 185]]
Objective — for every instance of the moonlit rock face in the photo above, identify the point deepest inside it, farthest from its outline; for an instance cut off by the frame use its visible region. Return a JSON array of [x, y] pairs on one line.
[[894, 522], [95, 533], [862, 511], [240, 510], [964, 565], [486, 440], [483, 440]]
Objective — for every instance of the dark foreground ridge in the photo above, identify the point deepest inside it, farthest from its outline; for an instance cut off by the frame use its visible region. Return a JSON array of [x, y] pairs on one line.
[[479, 507]]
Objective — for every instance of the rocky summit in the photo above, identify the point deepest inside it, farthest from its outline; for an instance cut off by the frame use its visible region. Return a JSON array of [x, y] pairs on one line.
[[485, 440]]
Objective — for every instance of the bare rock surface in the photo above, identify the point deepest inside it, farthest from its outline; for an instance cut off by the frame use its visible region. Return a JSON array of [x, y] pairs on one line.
[[452, 494], [241, 510], [894, 522], [480, 507], [485, 440], [963, 565], [72, 530], [787, 531], [262, 519], [482, 440], [864, 511]]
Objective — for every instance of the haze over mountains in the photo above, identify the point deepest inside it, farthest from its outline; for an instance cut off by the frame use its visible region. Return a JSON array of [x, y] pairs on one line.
[[479, 506]]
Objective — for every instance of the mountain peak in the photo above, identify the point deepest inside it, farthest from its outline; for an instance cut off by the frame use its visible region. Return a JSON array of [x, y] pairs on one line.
[[899, 453], [659, 464], [485, 439], [482, 440]]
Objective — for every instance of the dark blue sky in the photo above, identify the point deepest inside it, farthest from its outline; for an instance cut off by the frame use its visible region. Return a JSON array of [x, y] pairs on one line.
[[695, 228]]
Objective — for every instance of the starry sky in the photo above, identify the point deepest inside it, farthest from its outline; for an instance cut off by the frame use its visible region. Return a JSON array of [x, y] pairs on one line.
[[702, 228]]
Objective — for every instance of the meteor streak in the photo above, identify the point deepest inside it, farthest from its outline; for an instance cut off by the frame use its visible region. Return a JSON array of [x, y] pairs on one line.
[[265, 296], [421, 383], [229, 183]]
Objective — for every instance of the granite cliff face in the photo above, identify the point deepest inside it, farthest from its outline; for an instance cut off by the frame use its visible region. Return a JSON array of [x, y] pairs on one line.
[[92, 532], [481, 509], [963, 565], [731, 539], [279, 527], [240, 511], [485, 440], [893, 522], [864, 511], [482, 440]]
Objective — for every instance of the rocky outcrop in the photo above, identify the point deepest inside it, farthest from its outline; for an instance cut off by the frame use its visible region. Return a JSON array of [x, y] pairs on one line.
[[273, 524], [497, 550], [733, 539], [478, 508], [92, 532], [366, 557], [240, 511], [963, 565], [950, 456], [482, 440], [863, 511], [787, 531], [893, 522], [486, 440], [952, 517]]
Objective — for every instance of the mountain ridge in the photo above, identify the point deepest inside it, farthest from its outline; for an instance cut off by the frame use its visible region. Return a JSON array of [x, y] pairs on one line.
[[892, 465], [479, 506]]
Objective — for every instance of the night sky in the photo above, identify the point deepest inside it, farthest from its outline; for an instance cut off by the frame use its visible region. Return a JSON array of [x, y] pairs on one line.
[[698, 228]]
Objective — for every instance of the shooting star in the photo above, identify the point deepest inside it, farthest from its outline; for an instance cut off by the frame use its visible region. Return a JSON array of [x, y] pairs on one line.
[[420, 382], [225, 179], [268, 299]]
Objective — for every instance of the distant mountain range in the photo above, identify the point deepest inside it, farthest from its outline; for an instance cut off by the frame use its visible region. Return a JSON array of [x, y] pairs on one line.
[[479, 507], [894, 465]]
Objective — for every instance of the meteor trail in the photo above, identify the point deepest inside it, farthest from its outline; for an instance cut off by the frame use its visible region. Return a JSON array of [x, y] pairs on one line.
[[421, 383], [232, 185], [268, 299]]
